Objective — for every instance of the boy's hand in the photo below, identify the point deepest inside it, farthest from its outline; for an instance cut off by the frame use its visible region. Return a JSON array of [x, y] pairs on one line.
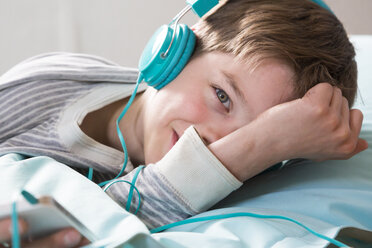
[[65, 238], [319, 126]]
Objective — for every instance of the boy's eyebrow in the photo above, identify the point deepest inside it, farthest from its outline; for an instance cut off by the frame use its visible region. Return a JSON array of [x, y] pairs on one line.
[[230, 80]]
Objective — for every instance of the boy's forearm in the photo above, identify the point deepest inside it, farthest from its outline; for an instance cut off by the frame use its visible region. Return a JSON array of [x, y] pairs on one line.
[[247, 151], [320, 126]]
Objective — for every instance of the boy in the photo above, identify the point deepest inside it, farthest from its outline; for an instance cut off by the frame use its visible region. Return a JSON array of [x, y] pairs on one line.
[[252, 95]]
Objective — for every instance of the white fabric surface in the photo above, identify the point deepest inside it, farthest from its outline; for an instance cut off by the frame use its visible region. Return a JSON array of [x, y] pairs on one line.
[[327, 197]]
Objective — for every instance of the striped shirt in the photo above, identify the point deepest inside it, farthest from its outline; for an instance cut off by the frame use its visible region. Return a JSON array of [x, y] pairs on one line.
[[34, 99]]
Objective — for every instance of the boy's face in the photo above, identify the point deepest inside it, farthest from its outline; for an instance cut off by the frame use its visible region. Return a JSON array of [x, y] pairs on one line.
[[214, 93]]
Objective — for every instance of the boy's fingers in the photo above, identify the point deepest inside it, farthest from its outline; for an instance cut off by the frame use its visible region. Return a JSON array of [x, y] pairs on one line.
[[63, 239], [322, 93], [361, 146], [6, 227], [337, 100], [356, 119], [345, 113], [83, 242]]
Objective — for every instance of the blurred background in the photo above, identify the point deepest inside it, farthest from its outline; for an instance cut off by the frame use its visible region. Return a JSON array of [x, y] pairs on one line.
[[115, 29]]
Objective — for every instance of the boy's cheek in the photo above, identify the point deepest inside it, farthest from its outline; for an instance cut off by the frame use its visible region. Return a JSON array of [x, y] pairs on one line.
[[195, 112]]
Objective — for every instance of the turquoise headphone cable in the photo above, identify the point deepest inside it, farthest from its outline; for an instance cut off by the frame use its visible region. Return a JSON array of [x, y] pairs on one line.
[[130, 196], [122, 141], [14, 217], [134, 187], [246, 214], [90, 173], [15, 231]]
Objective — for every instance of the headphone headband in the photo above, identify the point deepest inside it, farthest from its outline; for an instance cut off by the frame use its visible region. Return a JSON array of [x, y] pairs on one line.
[[322, 4], [201, 7], [171, 46]]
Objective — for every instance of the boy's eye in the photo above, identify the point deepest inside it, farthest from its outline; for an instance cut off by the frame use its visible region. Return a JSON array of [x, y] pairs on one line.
[[223, 98]]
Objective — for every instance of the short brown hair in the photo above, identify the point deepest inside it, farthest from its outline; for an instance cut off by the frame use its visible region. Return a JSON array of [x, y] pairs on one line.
[[299, 32]]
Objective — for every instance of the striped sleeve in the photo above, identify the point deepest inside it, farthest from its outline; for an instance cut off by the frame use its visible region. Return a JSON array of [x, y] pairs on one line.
[[67, 66]]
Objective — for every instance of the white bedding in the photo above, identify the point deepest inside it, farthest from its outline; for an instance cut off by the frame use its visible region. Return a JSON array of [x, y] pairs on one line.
[[327, 197]]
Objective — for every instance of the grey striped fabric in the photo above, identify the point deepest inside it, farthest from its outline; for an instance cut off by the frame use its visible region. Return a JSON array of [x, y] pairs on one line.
[[33, 96]]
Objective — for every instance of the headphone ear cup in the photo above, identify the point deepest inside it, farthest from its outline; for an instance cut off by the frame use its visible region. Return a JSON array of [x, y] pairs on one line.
[[182, 60], [158, 70]]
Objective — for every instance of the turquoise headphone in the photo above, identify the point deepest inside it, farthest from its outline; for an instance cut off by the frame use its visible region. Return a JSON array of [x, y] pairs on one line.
[[169, 49], [171, 46]]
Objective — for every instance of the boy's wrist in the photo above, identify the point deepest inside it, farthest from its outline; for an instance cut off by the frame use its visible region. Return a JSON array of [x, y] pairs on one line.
[[253, 151]]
